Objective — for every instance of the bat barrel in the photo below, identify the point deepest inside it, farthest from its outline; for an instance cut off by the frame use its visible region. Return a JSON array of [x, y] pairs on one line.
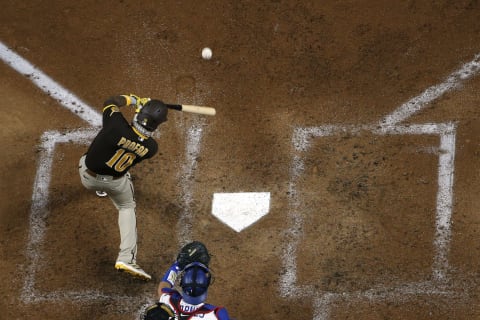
[[199, 109], [209, 111]]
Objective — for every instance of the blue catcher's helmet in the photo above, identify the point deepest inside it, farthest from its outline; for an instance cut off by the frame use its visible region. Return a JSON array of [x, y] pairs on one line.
[[195, 281]]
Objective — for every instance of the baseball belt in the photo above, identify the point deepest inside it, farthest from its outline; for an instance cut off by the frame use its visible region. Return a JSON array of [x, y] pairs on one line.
[[101, 176]]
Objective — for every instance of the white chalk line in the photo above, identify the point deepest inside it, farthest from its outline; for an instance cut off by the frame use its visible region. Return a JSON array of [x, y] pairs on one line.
[[192, 151], [40, 194], [38, 214], [301, 141], [50, 87], [446, 167], [38, 211], [398, 294], [416, 104]]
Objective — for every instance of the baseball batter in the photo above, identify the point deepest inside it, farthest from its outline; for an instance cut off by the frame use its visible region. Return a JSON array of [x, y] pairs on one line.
[[119, 146]]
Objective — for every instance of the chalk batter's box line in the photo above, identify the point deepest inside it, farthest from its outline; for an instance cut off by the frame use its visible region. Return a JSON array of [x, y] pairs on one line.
[[301, 142], [403, 293], [39, 213]]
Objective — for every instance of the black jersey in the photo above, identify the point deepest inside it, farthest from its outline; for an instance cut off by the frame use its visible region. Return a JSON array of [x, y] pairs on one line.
[[117, 147]]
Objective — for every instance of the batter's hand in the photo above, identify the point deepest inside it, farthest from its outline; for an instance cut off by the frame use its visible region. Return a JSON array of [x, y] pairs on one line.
[[131, 100], [143, 101], [135, 99], [137, 102]]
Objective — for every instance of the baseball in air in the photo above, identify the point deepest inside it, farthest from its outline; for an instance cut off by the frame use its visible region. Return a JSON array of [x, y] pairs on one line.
[[207, 53]]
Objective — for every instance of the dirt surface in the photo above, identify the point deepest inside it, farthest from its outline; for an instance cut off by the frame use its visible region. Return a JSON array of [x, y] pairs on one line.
[[365, 221]]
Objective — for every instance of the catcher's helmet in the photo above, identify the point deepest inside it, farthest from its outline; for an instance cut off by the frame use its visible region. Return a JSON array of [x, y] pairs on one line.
[[153, 113], [195, 281]]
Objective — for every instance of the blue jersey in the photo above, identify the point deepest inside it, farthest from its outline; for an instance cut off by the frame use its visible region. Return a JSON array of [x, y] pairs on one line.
[[186, 311]]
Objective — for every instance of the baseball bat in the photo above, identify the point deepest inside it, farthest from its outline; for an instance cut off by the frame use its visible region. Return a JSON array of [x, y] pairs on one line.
[[209, 111]]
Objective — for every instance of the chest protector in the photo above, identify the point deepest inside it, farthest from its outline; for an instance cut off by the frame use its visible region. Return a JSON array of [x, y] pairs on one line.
[[187, 311]]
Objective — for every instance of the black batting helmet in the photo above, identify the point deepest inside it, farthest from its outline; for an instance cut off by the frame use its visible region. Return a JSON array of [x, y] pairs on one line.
[[153, 113]]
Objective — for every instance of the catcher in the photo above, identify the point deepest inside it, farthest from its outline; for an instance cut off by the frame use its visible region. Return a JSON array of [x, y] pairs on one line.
[[118, 147], [191, 267]]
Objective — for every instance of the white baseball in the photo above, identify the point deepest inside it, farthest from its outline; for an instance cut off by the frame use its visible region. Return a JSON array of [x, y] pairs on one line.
[[207, 53]]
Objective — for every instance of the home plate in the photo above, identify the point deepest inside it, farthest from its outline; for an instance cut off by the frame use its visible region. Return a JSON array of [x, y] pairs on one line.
[[240, 210]]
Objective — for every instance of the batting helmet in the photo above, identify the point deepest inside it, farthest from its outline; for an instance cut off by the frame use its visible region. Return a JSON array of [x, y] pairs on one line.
[[153, 113], [195, 281]]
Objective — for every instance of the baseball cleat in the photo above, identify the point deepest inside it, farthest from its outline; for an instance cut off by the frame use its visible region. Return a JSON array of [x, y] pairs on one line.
[[133, 269], [101, 194]]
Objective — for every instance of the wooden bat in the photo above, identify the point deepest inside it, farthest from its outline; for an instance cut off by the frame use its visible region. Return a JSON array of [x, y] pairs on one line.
[[209, 111]]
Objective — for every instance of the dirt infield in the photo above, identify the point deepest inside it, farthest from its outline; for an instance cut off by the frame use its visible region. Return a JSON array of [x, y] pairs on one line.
[[359, 118]]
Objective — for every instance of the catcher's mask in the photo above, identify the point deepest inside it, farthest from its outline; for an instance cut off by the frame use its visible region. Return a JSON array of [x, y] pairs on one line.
[[195, 281], [153, 113]]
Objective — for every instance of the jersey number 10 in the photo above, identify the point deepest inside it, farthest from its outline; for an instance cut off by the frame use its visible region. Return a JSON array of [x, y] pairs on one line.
[[121, 160]]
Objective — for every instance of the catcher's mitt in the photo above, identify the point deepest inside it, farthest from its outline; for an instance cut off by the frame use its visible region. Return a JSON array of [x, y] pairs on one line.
[[193, 252], [158, 311]]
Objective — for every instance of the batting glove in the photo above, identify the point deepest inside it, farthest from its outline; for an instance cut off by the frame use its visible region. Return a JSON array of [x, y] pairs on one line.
[[143, 101], [131, 99], [137, 102], [135, 99]]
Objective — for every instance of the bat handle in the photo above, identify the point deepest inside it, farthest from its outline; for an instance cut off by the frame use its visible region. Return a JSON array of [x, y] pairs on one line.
[[174, 106]]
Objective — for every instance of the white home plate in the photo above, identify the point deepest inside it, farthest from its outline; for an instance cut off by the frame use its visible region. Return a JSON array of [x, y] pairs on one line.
[[240, 210]]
